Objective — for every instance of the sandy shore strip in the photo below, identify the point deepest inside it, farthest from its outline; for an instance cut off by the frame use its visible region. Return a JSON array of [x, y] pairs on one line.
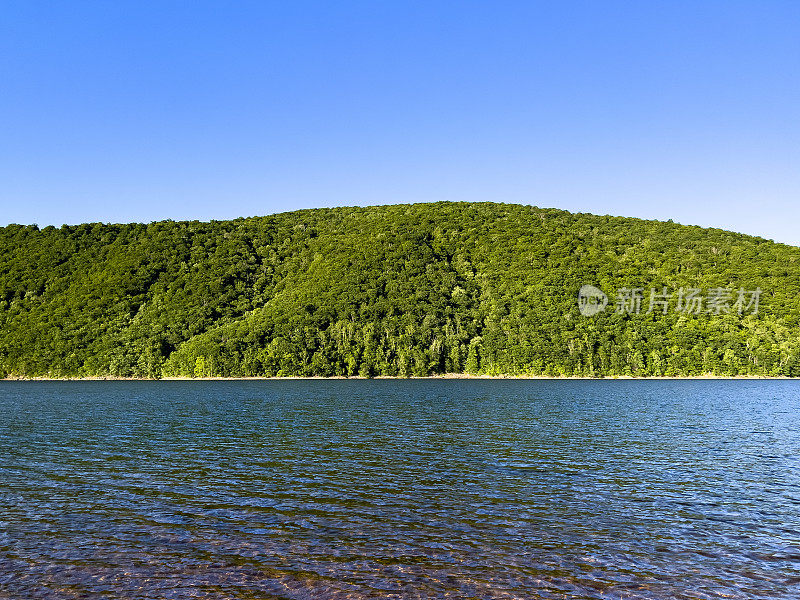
[[432, 377]]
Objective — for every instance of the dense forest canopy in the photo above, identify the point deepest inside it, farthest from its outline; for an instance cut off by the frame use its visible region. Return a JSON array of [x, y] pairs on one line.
[[400, 290]]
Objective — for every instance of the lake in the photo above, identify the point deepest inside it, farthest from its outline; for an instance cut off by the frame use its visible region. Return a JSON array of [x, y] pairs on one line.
[[400, 489]]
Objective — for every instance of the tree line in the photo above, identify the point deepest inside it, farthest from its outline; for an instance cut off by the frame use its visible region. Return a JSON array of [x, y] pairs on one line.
[[407, 290]]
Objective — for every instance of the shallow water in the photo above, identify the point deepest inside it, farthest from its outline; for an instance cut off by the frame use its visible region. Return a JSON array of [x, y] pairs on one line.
[[400, 489]]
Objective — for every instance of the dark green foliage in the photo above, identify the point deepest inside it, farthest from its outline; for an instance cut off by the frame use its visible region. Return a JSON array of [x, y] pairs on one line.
[[393, 290]]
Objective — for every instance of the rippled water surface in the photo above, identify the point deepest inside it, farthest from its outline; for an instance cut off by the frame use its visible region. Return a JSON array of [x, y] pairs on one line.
[[400, 489]]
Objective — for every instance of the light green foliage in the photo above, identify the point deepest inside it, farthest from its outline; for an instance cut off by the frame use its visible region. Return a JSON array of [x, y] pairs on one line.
[[393, 290]]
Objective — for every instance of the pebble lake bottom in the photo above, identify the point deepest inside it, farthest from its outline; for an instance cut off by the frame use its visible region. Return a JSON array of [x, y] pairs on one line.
[[400, 489]]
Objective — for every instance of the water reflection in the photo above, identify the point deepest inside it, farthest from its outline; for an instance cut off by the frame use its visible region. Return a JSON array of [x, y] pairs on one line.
[[400, 489]]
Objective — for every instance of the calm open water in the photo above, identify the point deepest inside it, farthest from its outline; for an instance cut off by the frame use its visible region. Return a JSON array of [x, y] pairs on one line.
[[400, 489]]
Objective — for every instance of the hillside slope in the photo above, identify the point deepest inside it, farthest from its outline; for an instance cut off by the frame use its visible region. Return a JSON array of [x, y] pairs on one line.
[[394, 290]]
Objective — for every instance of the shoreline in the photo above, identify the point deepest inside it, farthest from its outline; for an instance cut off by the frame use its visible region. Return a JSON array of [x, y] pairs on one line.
[[445, 376]]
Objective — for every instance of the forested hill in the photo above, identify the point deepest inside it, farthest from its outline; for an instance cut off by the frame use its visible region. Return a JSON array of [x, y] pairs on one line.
[[396, 290]]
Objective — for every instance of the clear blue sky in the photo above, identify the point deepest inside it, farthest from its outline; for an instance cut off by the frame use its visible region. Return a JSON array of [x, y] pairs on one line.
[[119, 111]]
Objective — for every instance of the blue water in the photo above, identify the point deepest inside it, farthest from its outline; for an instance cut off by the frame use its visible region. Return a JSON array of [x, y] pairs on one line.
[[400, 489]]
